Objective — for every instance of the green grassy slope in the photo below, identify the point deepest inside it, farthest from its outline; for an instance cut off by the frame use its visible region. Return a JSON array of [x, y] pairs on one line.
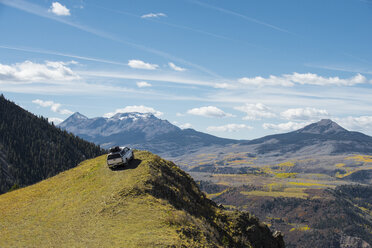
[[150, 203]]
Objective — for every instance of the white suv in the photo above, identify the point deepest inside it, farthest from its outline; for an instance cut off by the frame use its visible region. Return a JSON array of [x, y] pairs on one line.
[[119, 156]]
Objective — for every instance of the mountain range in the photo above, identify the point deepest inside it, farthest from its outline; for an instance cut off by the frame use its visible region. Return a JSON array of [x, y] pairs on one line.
[[323, 137], [145, 131], [141, 131]]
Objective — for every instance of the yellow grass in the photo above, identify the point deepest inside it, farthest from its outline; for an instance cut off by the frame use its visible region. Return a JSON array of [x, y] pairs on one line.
[[361, 158], [287, 164], [309, 184], [338, 175], [276, 194], [238, 162], [285, 175], [211, 196], [88, 206], [300, 229], [340, 165]]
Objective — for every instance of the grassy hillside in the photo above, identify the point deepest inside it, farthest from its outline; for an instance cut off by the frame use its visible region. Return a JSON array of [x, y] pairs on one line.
[[149, 203]]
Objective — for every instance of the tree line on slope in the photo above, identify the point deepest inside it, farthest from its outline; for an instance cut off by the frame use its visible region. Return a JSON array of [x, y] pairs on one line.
[[34, 149]]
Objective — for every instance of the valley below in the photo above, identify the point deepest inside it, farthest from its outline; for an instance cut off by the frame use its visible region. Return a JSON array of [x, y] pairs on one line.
[[315, 201]]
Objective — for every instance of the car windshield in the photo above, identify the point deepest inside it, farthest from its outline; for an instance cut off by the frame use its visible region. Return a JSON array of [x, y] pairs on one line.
[[113, 156]]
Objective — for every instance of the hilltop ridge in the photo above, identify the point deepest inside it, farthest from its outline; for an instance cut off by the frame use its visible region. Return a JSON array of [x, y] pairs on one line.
[[149, 203]]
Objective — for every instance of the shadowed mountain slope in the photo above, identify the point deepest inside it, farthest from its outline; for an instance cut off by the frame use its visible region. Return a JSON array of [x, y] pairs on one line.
[[150, 203], [31, 149]]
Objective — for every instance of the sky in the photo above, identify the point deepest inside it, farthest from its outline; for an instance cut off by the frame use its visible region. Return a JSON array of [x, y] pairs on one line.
[[238, 69]]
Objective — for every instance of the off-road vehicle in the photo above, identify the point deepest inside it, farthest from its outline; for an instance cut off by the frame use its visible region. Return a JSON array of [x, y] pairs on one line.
[[119, 156]]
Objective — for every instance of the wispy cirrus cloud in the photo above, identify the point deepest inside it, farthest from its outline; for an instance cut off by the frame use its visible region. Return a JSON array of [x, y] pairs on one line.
[[42, 12], [153, 15], [339, 68], [187, 28], [67, 55], [151, 77], [290, 80], [209, 111], [236, 14], [55, 107], [59, 9]]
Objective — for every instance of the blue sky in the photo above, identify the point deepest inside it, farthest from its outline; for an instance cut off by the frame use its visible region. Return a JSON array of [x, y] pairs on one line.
[[239, 69]]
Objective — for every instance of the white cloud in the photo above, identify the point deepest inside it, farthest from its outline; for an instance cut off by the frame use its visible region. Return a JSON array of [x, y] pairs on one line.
[[176, 68], [28, 71], [209, 111], [55, 107], [143, 84], [228, 128], [288, 126], [260, 81], [255, 111], [305, 114], [179, 114], [139, 64], [185, 126], [361, 123], [134, 108], [59, 9], [289, 80], [55, 120], [153, 15], [182, 126]]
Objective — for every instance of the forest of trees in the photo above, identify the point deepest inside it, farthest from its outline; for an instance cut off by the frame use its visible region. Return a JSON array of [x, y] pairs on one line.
[[32, 149]]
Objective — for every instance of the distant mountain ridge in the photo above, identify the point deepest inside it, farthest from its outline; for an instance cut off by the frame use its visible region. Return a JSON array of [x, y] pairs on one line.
[[141, 131], [145, 131], [323, 137]]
